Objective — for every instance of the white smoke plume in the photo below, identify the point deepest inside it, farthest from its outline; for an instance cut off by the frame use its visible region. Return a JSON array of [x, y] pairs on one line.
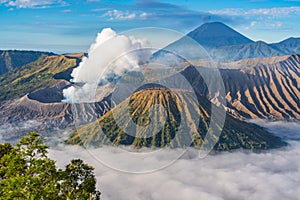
[[109, 57]]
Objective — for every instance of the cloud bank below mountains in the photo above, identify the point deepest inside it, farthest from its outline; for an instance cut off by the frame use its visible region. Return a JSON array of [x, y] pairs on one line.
[[271, 175]]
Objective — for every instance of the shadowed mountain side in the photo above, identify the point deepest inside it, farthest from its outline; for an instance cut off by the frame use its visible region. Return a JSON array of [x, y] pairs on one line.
[[178, 129], [258, 49], [289, 46]]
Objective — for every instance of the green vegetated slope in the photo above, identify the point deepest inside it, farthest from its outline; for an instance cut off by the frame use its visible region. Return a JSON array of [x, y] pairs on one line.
[[41, 73], [12, 59], [179, 129]]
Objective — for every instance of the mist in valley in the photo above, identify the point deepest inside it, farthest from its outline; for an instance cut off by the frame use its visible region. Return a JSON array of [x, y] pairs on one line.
[[272, 174]]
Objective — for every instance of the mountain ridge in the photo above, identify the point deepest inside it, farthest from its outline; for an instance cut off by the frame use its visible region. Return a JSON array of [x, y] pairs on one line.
[[43, 72], [225, 44], [247, 85], [289, 46], [11, 59]]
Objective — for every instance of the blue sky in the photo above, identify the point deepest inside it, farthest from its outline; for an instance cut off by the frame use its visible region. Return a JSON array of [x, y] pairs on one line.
[[71, 26]]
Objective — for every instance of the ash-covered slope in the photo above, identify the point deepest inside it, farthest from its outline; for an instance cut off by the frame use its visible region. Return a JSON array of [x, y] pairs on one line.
[[177, 116], [267, 88], [266, 91]]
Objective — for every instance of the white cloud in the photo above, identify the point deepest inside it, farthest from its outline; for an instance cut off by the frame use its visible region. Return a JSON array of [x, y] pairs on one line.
[[276, 24], [273, 175], [124, 15], [228, 11], [271, 12], [275, 12], [66, 11], [13, 131], [144, 15], [99, 9], [253, 23], [31, 3], [119, 15], [286, 130]]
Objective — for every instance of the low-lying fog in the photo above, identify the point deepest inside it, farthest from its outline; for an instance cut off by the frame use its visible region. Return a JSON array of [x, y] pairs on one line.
[[274, 174]]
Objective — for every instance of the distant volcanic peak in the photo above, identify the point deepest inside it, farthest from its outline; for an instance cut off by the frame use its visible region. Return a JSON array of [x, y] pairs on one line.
[[216, 34], [214, 29]]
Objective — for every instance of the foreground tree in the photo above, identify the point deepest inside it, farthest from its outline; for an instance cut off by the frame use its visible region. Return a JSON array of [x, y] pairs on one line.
[[27, 173], [79, 181]]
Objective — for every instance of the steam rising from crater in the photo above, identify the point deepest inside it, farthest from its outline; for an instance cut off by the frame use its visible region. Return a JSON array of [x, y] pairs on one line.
[[109, 57]]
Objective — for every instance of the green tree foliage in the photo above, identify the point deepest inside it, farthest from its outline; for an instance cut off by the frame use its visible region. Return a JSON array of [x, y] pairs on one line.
[[27, 173], [79, 181]]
